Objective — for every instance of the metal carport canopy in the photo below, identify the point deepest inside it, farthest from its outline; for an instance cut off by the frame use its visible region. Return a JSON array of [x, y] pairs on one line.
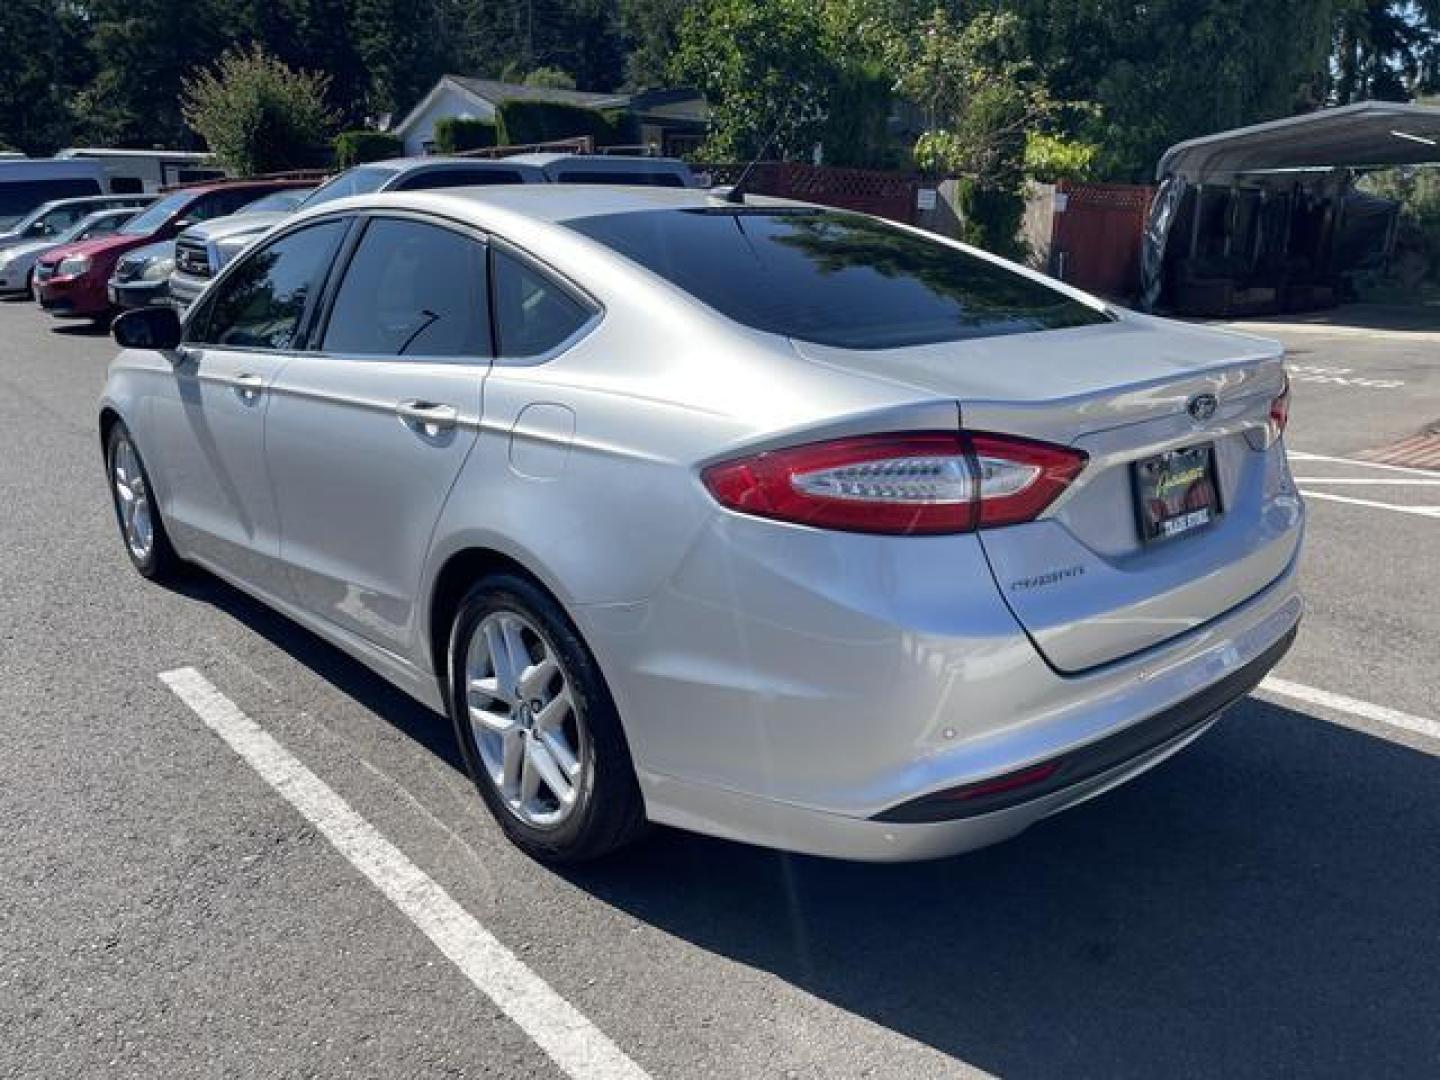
[[1372, 133]]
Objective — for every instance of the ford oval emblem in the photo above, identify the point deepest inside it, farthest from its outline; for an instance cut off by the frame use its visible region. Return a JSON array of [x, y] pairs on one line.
[[1202, 407]]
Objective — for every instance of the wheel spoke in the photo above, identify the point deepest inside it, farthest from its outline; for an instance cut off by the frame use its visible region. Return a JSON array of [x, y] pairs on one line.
[[553, 714], [542, 762], [565, 758], [517, 655], [536, 678], [492, 721], [529, 774], [512, 766]]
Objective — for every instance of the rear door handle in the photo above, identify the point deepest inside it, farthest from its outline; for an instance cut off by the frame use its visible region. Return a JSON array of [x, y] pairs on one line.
[[428, 416], [248, 386]]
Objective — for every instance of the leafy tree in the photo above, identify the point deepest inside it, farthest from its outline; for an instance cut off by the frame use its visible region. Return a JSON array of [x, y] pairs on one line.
[[398, 43], [143, 50], [44, 60], [763, 66], [651, 34], [552, 78], [1387, 51], [257, 115], [1170, 70]]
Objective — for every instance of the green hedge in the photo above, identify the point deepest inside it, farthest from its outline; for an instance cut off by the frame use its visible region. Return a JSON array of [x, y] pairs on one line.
[[455, 133], [355, 147], [521, 123]]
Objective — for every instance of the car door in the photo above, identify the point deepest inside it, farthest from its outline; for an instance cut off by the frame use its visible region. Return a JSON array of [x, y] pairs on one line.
[[209, 424], [367, 432]]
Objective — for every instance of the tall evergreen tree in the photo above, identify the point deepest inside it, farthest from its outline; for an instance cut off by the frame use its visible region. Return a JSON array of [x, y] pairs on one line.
[[44, 60]]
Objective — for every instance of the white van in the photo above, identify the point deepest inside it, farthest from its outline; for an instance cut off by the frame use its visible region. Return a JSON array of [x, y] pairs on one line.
[[27, 182], [131, 172]]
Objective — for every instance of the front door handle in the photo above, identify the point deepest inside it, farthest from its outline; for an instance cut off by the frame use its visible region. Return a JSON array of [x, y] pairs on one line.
[[428, 416], [248, 386]]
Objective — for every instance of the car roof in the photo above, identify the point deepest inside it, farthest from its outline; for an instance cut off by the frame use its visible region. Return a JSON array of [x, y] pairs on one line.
[[603, 162], [242, 185], [413, 164], [86, 200], [570, 202]]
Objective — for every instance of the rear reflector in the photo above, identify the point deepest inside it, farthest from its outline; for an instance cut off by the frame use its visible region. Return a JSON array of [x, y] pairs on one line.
[[909, 483]]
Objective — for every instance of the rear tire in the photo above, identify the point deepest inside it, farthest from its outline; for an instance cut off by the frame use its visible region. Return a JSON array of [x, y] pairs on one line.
[[537, 727], [141, 530]]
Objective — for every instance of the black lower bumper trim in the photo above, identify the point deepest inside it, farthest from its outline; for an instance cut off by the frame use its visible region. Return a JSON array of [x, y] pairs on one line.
[[1092, 760]]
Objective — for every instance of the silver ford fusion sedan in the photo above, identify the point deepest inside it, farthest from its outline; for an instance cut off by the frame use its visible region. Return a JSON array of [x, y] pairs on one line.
[[769, 521]]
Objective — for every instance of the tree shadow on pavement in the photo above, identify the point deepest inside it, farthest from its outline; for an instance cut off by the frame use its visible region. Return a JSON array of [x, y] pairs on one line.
[[1268, 902]]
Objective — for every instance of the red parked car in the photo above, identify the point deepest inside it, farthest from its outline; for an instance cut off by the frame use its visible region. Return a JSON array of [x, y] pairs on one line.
[[70, 280]]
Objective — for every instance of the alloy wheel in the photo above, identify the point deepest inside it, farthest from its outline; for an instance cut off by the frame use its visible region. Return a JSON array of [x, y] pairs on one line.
[[531, 738], [132, 500]]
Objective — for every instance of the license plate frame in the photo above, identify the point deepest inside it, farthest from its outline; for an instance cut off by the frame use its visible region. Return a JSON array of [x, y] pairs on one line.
[[1176, 493]]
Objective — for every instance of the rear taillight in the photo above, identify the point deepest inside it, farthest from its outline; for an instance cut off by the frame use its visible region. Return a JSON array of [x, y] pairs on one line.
[[1280, 410], [919, 483], [1275, 422]]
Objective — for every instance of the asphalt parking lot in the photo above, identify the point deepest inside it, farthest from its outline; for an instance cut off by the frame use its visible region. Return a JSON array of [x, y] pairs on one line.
[[1266, 903]]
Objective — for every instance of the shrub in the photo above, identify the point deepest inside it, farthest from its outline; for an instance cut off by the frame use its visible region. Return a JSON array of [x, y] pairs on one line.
[[259, 116], [990, 218], [455, 133], [522, 122], [553, 78], [357, 147]]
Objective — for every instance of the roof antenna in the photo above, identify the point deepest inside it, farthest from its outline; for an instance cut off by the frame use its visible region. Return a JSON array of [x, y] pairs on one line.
[[735, 193]]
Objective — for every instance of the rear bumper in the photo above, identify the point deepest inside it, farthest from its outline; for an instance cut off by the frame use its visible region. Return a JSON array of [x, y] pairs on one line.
[[781, 720]]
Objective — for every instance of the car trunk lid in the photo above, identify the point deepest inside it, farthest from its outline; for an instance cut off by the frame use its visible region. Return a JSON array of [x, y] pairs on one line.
[[1085, 584]]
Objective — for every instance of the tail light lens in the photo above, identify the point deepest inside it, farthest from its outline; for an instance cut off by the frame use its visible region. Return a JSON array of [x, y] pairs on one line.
[[920, 483], [1280, 410], [1275, 423]]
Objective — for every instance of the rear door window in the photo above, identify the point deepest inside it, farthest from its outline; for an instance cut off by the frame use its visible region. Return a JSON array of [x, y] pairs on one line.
[[835, 278], [414, 290], [534, 313]]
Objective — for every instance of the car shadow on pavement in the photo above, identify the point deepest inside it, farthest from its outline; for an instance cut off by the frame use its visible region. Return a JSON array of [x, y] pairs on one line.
[[1268, 902], [405, 714], [81, 328]]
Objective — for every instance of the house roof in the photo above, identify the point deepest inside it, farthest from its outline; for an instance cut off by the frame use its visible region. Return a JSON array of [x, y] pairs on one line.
[[1369, 134], [492, 92], [495, 92]]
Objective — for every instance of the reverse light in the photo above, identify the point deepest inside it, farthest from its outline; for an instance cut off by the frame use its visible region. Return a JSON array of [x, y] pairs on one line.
[[909, 483]]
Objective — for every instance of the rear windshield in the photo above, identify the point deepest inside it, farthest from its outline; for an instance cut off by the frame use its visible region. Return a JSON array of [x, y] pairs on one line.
[[833, 277]]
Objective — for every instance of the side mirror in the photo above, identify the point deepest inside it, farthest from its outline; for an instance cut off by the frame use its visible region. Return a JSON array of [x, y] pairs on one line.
[[148, 328]]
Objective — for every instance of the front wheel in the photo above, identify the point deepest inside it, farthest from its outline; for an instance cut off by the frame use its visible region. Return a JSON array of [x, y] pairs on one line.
[[537, 726], [141, 529]]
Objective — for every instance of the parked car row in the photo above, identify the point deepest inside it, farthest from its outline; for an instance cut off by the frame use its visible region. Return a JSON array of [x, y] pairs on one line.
[[171, 248]]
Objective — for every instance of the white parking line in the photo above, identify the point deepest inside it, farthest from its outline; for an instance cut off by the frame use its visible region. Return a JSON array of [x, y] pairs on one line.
[[1368, 481], [1300, 455], [1418, 511], [1380, 714], [576, 1045]]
